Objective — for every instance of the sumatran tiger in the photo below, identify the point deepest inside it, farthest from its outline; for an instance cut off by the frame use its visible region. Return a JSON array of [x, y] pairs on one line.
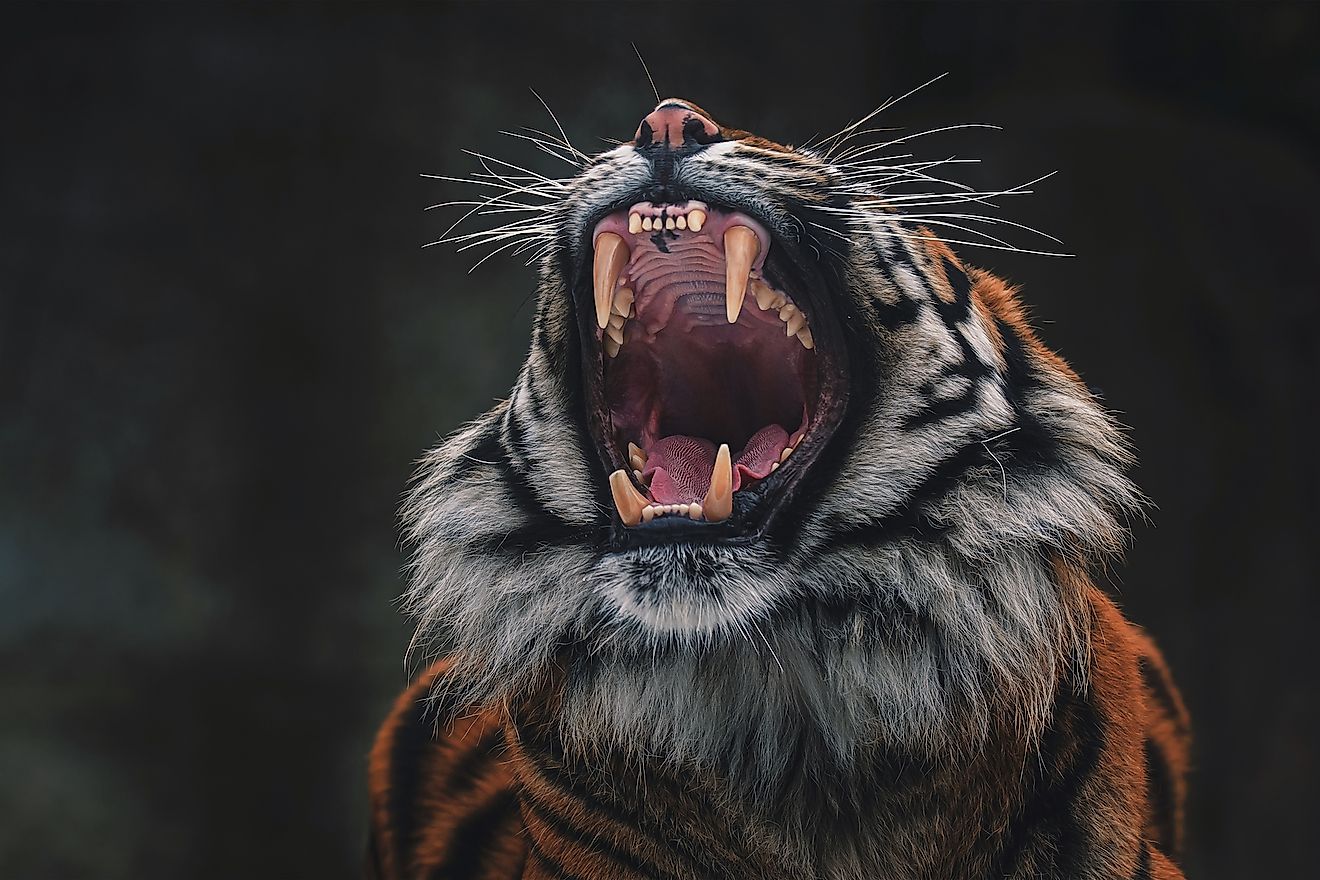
[[779, 561]]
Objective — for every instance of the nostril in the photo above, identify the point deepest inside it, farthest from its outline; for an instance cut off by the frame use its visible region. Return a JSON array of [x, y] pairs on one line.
[[676, 124]]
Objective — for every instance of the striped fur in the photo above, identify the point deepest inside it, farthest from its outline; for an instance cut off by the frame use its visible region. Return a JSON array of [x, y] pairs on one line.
[[909, 674]]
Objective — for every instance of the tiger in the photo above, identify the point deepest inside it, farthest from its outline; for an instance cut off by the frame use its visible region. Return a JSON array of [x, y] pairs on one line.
[[783, 558]]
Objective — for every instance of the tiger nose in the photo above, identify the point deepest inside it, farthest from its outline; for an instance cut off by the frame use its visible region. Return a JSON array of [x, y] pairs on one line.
[[673, 125]]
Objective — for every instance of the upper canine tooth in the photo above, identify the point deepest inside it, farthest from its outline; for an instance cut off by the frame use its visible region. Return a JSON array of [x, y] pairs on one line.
[[611, 256], [718, 503], [634, 223], [627, 500], [696, 219], [741, 247]]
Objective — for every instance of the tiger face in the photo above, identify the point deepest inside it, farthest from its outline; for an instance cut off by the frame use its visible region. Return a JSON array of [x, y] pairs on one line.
[[774, 445]]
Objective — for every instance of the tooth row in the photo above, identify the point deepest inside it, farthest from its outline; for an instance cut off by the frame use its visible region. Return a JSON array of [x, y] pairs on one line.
[[691, 511], [634, 508], [692, 220], [795, 322], [621, 309]]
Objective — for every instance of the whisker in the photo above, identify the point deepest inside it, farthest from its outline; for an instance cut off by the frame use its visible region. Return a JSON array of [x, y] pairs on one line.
[[649, 78], [847, 132], [563, 134]]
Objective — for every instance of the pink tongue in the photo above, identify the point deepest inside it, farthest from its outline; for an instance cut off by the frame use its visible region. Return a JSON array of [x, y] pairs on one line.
[[679, 466]]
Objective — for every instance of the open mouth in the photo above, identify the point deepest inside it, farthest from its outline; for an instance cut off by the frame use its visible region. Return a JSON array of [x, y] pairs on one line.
[[712, 396]]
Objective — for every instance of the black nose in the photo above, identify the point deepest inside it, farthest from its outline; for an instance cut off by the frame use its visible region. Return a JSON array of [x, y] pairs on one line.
[[675, 124]]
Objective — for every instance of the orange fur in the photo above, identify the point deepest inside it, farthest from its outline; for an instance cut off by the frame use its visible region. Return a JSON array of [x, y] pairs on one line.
[[432, 786]]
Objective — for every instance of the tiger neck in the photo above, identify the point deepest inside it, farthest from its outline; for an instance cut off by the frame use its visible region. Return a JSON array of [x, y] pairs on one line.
[[642, 806]]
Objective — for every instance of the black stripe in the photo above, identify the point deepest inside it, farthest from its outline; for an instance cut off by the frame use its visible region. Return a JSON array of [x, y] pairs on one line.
[[543, 526], [971, 366], [597, 804], [898, 314], [470, 840], [910, 516], [466, 770], [1160, 791], [1161, 689], [1068, 756], [486, 452], [1074, 839], [961, 307], [937, 411], [412, 740], [549, 864], [596, 841], [375, 866], [1143, 863]]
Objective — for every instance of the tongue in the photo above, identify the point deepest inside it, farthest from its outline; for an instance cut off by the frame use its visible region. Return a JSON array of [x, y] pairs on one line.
[[679, 467]]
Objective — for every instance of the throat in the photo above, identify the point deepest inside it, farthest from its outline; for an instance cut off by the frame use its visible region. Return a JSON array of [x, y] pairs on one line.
[[697, 383]]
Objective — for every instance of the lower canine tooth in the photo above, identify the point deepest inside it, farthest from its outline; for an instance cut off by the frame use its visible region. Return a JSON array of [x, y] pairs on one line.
[[718, 503], [611, 256], [627, 500]]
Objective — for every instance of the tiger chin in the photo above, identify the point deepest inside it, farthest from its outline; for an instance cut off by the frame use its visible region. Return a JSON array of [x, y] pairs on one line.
[[778, 561]]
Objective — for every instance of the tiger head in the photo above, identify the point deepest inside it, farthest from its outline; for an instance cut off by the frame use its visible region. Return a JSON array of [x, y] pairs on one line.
[[779, 466]]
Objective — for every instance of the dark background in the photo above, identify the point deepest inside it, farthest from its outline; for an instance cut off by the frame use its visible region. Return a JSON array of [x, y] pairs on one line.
[[222, 349]]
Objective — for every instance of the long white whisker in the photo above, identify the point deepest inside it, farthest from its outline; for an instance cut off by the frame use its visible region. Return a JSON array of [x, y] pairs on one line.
[[980, 244], [844, 134], [489, 255], [549, 149], [874, 148], [647, 70], [563, 134]]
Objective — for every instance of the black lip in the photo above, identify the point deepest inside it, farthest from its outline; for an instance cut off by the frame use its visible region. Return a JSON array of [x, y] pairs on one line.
[[788, 267]]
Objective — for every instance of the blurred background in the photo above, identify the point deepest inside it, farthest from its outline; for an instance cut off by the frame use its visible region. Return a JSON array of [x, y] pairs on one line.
[[222, 348]]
